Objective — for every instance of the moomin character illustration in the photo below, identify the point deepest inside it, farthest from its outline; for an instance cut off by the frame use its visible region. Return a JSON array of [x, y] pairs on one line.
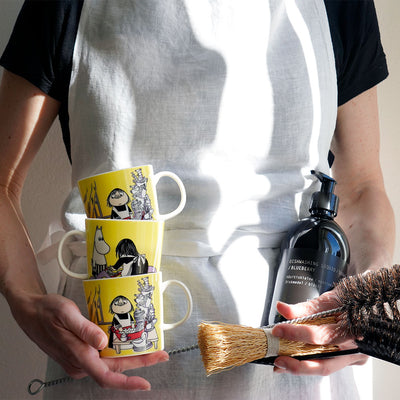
[[125, 334], [100, 249], [92, 202], [129, 262], [141, 203], [146, 309], [131, 328], [118, 200]]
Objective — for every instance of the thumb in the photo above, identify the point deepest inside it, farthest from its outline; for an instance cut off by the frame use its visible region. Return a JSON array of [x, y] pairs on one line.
[[87, 331], [327, 301], [291, 311]]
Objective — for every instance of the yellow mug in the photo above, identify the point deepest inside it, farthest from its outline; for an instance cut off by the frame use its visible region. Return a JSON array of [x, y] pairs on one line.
[[127, 194], [116, 248], [130, 312]]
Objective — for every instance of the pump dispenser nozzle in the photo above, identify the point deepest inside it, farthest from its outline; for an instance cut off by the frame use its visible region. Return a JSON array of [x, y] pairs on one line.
[[324, 201]]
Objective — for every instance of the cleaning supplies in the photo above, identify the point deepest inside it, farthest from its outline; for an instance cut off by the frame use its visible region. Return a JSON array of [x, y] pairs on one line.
[[224, 346], [367, 309], [314, 254]]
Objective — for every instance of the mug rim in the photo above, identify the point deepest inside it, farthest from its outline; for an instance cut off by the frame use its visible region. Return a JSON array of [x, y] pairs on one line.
[[155, 221], [121, 277], [123, 170]]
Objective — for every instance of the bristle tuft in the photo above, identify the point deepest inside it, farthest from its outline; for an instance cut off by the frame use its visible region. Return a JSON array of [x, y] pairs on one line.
[[293, 349], [381, 340], [224, 346], [366, 296]]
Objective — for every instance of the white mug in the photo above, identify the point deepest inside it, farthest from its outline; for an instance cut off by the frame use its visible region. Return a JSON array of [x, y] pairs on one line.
[[116, 248], [127, 194], [130, 311]]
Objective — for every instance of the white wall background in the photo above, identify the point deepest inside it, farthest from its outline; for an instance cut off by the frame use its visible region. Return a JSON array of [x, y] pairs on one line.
[[21, 361], [386, 376]]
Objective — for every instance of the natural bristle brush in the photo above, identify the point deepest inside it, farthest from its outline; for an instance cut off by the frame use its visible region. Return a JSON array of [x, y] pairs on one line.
[[367, 309], [224, 346]]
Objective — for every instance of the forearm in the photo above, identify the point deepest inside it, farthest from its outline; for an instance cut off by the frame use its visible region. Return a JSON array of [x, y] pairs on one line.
[[19, 276], [365, 212], [26, 115], [367, 218]]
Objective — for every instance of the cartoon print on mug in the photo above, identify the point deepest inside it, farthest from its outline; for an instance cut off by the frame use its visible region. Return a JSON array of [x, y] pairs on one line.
[[144, 304], [118, 201], [91, 201], [100, 249], [121, 309], [129, 193], [135, 332], [141, 203], [129, 310], [115, 248], [130, 261], [124, 332]]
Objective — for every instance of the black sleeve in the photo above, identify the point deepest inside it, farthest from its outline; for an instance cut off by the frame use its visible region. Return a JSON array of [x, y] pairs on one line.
[[360, 59], [41, 44]]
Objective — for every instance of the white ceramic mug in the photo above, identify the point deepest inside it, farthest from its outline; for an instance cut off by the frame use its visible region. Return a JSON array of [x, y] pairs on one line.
[[130, 312], [127, 194], [116, 248]]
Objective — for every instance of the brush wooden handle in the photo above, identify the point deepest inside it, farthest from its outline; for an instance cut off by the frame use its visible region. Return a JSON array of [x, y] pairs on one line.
[[271, 360]]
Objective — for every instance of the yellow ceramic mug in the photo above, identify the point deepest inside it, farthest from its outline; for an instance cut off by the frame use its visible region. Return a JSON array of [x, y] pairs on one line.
[[117, 248], [127, 194], [130, 312]]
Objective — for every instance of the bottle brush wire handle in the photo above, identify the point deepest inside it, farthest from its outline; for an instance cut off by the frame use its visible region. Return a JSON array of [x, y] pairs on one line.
[[367, 309], [35, 386]]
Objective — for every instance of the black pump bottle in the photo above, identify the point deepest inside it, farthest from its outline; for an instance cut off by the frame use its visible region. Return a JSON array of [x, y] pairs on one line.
[[314, 254]]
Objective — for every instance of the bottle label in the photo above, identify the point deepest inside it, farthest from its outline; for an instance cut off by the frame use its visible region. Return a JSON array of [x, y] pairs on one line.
[[308, 274]]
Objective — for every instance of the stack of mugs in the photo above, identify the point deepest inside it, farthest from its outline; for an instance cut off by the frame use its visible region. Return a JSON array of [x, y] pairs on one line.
[[124, 236]]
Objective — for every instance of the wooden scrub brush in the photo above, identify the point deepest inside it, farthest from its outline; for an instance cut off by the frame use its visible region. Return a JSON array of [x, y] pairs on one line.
[[224, 346], [367, 309]]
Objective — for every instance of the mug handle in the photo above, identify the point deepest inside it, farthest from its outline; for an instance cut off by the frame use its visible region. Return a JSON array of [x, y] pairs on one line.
[[167, 327], [60, 255], [178, 181]]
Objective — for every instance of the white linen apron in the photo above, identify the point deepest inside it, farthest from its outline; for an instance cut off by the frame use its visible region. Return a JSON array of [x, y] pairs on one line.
[[238, 99]]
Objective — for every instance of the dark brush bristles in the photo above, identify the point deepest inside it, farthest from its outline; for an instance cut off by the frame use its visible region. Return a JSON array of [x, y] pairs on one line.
[[381, 340], [366, 296]]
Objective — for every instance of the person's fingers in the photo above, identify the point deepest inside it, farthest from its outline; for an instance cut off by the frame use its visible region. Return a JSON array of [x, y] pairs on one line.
[[87, 331], [58, 316], [126, 363], [326, 301], [291, 311], [317, 367], [74, 342], [321, 334], [108, 372]]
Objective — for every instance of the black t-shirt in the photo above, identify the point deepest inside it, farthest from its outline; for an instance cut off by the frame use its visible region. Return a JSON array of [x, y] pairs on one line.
[[41, 46], [40, 50], [360, 60]]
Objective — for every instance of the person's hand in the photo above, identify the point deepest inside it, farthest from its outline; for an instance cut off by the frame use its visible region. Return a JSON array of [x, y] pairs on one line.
[[323, 334], [57, 326]]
